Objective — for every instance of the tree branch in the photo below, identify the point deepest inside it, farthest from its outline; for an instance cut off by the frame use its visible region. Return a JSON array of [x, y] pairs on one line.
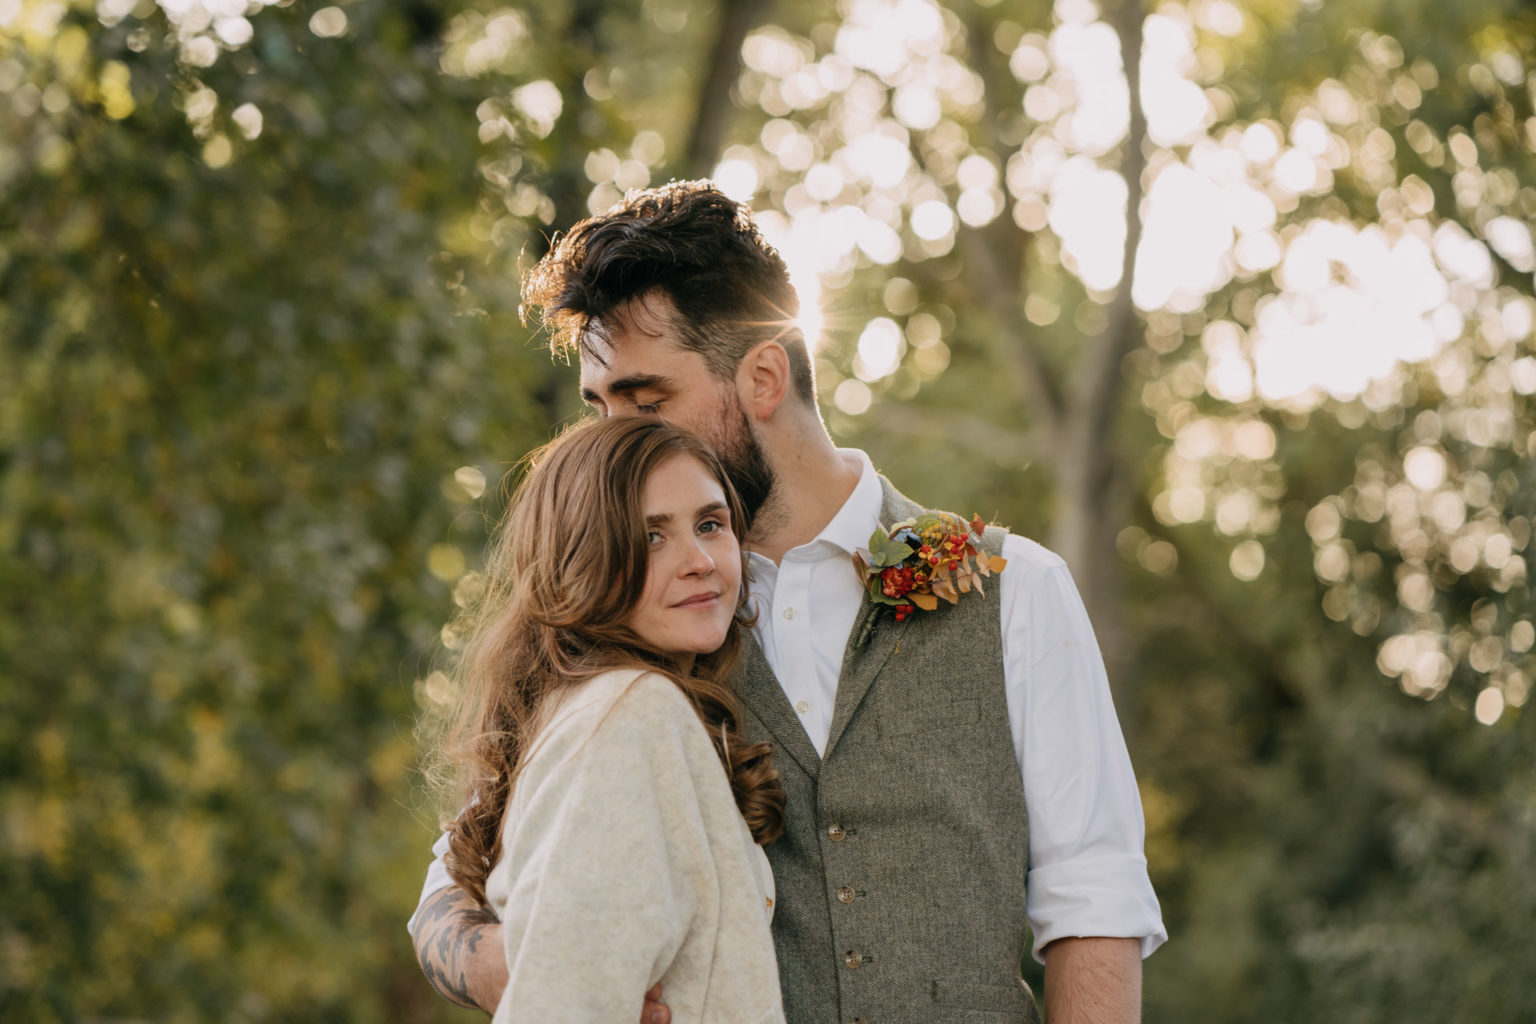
[[712, 111], [994, 253], [1098, 388], [1086, 461]]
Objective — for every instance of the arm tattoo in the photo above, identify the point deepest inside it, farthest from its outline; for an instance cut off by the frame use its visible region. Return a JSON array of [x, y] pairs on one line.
[[450, 926]]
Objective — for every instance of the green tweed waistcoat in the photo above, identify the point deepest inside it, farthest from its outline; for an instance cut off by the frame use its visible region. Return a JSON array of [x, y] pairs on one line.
[[901, 872]]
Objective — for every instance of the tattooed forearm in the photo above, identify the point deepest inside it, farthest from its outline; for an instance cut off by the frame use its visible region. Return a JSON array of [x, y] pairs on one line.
[[448, 931]]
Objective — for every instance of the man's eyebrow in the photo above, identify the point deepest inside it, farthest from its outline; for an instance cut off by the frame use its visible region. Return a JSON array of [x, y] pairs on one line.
[[637, 382]]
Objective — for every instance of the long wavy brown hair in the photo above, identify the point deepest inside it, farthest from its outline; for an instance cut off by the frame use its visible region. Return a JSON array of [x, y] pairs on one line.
[[565, 568]]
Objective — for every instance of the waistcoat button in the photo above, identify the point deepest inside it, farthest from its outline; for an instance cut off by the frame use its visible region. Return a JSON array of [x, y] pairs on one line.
[[845, 894], [836, 833], [852, 959]]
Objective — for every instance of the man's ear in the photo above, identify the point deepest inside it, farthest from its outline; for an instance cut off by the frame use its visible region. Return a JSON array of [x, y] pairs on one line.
[[763, 379]]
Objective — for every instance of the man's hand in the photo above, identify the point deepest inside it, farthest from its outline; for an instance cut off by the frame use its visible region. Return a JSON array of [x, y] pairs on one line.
[[655, 1011], [1093, 981], [458, 944]]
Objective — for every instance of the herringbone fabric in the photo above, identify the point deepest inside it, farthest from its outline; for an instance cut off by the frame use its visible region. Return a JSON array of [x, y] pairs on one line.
[[901, 873]]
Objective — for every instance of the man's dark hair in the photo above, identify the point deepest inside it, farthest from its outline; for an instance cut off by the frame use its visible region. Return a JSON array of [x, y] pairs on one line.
[[690, 241]]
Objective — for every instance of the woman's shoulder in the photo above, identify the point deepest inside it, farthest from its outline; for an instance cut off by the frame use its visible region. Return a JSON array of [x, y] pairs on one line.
[[616, 698], [640, 684], [628, 716]]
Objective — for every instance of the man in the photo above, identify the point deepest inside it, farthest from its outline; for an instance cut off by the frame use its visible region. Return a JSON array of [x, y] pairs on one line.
[[953, 778]]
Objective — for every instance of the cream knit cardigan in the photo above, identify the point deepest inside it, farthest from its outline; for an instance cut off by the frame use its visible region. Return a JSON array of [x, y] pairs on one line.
[[625, 862]]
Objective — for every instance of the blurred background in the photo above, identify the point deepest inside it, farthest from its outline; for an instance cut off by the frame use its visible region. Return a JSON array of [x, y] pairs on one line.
[[1228, 301]]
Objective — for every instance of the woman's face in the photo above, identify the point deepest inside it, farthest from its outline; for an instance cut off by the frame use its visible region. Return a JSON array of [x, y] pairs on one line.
[[694, 574]]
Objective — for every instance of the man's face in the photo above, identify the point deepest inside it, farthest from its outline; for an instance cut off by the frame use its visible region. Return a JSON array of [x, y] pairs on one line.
[[641, 368]]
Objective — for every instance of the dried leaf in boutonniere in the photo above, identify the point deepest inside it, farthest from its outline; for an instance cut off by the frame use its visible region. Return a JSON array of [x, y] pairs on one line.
[[917, 563]]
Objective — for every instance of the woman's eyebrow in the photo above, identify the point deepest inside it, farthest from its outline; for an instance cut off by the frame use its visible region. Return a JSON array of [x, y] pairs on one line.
[[661, 518]]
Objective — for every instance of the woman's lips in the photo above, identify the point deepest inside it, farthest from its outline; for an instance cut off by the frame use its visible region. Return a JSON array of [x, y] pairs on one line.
[[705, 600]]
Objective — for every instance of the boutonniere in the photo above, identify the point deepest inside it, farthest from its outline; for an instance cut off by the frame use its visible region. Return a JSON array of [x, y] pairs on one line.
[[916, 562]]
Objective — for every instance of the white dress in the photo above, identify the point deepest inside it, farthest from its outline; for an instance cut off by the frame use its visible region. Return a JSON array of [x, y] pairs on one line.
[[625, 863]]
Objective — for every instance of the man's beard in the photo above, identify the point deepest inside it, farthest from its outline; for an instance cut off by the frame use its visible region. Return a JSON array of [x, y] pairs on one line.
[[745, 462]]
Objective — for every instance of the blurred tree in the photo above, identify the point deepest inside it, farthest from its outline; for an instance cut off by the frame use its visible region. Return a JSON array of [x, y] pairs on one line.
[[248, 334]]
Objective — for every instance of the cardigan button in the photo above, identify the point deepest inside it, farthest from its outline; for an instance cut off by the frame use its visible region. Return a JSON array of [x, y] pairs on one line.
[[836, 833], [845, 895], [852, 959]]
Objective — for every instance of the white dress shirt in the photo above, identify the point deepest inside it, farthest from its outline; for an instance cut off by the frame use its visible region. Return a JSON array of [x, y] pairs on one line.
[[1087, 871]]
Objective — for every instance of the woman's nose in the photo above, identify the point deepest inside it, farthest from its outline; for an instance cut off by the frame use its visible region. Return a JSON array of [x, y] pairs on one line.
[[697, 561]]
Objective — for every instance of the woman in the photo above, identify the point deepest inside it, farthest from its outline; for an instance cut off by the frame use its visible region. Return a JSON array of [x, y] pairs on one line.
[[612, 814]]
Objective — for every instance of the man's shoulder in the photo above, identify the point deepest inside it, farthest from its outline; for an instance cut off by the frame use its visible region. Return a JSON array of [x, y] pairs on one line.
[[1030, 557]]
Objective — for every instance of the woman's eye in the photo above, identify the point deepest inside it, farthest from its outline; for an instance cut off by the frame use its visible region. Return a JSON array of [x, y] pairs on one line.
[[653, 537], [649, 410], [711, 526]]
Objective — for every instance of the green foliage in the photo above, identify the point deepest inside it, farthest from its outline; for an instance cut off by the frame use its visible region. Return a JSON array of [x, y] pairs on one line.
[[259, 354], [885, 550], [233, 400]]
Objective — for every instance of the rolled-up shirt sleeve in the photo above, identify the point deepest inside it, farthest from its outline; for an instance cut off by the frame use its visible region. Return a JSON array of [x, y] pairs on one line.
[[1087, 869], [437, 879]]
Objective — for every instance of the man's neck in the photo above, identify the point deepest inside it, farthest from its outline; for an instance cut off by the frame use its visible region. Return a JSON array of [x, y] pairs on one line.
[[811, 484]]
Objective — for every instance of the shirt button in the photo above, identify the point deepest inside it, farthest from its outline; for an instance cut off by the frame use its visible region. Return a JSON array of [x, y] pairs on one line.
[[836, 833], [845, 895], [789, 613], [803, 706], [852, 959]]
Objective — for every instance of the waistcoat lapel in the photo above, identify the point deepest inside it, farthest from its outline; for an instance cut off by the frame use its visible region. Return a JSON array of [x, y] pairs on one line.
[[862, 661], [762, 696], [875, 635]]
